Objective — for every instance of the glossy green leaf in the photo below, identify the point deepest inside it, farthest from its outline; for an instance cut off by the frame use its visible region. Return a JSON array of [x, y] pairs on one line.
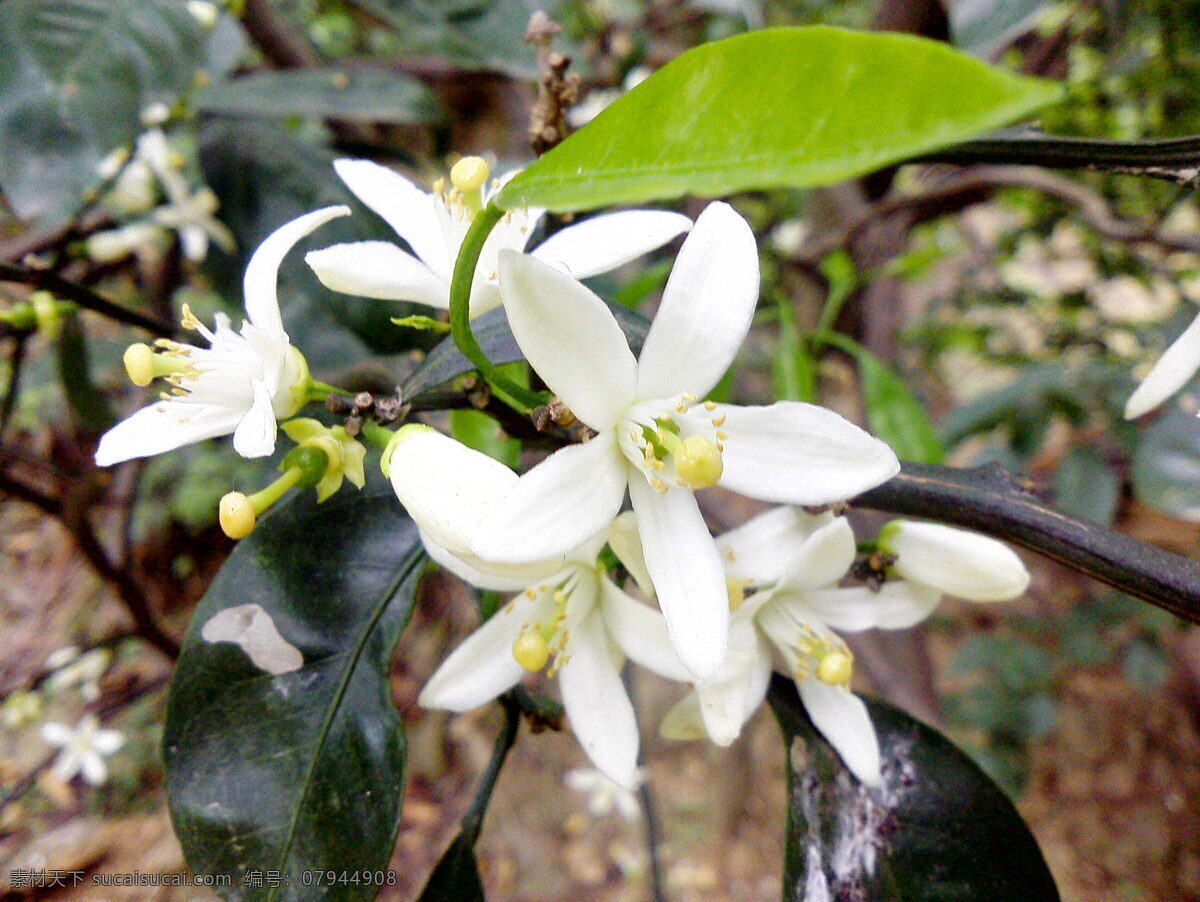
[[303, 769], [1166, 464], [937, 830], [1086, 486], [778, 107], [374, 95], [76, 76], [445, 362]]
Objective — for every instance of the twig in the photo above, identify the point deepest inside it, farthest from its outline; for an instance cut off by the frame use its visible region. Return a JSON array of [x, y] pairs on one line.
[[9, 404], [988, 500], [557, 91], [472, 821], [84, 297]]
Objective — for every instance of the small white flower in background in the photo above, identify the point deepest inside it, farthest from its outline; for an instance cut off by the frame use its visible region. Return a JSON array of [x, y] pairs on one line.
[[434, 225], [204, 11], [239, 385], [603, 795], [789, 236], [654, 435], [84, 748], [1127, 299], [188, 212], [1171, 373], [568, 613], [70, 668], [598, 99]]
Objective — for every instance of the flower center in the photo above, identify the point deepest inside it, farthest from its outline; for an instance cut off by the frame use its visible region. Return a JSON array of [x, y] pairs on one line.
[[674, 442], [468, 177], [542, 639], [824, 656]]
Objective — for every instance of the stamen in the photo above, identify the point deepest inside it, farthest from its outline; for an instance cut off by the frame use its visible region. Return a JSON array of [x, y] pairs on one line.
[[736, 593]]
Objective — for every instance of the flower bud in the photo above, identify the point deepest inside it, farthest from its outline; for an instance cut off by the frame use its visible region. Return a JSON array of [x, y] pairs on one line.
[[954, 561]]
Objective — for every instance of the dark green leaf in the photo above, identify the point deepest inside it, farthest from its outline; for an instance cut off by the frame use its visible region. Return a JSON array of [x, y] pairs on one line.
[[74, 369], [778, 107], [1166, 465], [1085, 486], [456, 875], [302, 770], [471, 34], [936, 830], [76, 76], [445, 362], [374, 95]]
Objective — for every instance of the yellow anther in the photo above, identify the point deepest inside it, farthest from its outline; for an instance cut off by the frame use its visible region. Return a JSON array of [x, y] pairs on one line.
[[718, 421], [710, 406], [736, 593], [139, 364], [835, 669], [721, 436], [439, 185], [469, 174], [236, 514], [689, 397], [531, 650], [658, 485], [188, 320], [681, 408], [698, 462]]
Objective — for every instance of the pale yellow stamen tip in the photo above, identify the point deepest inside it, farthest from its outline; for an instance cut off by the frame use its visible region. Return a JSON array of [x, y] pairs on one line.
[[469, 174], [187, 319], [531, 650], [737, 594], [835, 669], [139, 364], [236, 515], [698, 462]]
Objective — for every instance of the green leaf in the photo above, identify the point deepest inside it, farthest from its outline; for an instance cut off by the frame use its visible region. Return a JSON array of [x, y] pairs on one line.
[[936, 830], [778, 107], [373, 95], [302, 770], [793, 369], [445, 362], [471, 34], [88, 402], [1166, 464], [1086, 486], [893, 413], [76, 76], [456, 875]]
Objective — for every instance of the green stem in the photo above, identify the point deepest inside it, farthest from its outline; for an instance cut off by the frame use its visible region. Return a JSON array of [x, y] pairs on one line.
[[263, 499], [460, 312], [319, 391], [376, 434]]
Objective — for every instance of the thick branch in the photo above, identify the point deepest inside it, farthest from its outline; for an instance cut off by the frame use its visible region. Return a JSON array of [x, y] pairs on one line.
[[1176, 159], [988, 500]]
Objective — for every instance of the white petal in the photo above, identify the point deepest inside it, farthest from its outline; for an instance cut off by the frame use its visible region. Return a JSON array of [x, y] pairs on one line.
[[641, 633], [570, 338], [686, 570], [1172, 371], [603, 243], [262, 302], [758, 551], [626, 544], [955, 561], [558, 505], [483, 666], [896, 606], [93, 768], [731, 698], [164, 426], [446, 487], [683, 721], [842, 718], [255, 434], [486, 575], [706, 308], [377, 269], [596, 702], [824, 557], [57, 733], [107, 741], [403, 206], [798, 453], [67, 765]]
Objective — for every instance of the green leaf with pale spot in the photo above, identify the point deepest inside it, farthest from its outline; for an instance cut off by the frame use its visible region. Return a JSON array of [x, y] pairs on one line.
[[779, 107]]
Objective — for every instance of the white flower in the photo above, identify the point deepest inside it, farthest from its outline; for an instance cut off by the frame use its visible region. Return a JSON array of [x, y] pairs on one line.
[[84, 748], [1176, 366], [74, 669], [238, 385], [603, 795], [565, 608], [795, 560], [434, 224], [654, 435], [954, 561], [599, 99]]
